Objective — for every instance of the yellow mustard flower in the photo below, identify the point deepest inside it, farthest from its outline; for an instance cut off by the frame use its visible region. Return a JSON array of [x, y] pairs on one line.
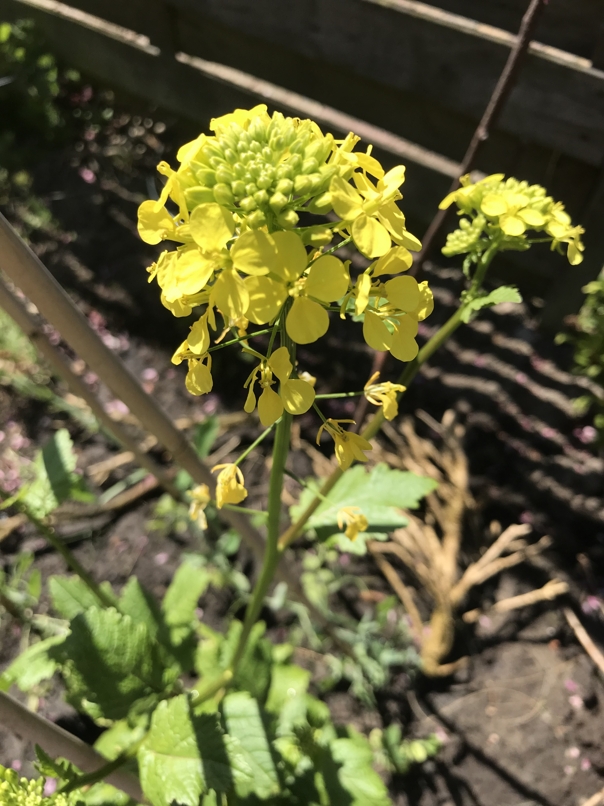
[[349, 446], [200, 498], [295, 395], [559, 226], [353, 519], [230, 483], [384, 394], [199, 377], [280, 262]]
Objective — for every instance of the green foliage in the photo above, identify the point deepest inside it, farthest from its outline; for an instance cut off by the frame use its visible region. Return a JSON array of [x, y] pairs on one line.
[[32, 666], [380, 493], [505, 293], [395, 754], [588, 341], [15, 791], [55, 479]]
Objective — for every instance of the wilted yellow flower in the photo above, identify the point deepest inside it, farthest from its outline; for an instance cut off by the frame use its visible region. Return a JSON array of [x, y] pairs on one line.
[[200, 498], [384, 394], [230, 487], [349, 446], [295, 395], [354, 520], [199, 377]]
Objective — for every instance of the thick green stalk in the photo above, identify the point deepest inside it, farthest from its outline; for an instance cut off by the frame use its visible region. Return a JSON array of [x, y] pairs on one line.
[[407, 376]]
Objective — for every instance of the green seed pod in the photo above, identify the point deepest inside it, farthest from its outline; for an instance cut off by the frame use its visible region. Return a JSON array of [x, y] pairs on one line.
[[302, 184], [248, 204], [198, 195], [238, 188], [277, 202], [284, 186], [256, 219], [288, 219], [261, 197], [321, 205], [223, 194]]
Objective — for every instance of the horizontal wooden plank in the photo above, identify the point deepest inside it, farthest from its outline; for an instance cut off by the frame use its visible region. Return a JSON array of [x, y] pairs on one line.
[[554, 104]]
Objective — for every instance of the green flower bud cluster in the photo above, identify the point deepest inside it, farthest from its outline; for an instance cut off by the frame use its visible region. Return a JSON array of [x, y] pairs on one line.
[[15, 791], [266, 172], [465, 239]]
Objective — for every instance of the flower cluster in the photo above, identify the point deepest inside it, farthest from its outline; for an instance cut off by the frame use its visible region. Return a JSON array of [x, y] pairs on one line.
[[243, 260], [508, 209], [15, 791]]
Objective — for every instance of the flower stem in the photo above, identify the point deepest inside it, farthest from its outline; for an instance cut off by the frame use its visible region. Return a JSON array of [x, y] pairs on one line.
[[241, 338], [254, 444], [334, 395], [407, 376]]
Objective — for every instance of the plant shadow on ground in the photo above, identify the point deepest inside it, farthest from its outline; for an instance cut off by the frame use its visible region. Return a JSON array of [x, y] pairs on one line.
[[523, 724]]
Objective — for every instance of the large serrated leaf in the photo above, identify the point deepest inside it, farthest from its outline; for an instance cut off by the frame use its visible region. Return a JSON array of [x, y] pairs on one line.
[[55, 479], [355, 773], [70, 596], [185, 755], [244, 723], [380, 494], [32, 666], [109, 662], [181, 598], [136, 602], [287, 682]]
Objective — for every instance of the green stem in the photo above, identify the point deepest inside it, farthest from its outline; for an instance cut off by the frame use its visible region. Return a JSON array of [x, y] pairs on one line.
[[212, 687], [254, 444], [407, 376], [98, 775], [338, 394], [241, 338], [60, 547]]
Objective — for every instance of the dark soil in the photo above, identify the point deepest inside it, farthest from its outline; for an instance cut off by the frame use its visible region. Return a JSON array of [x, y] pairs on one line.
[[523, 724]]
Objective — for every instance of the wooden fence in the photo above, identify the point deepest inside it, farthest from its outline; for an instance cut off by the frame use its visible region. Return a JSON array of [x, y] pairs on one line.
[[409, 76]]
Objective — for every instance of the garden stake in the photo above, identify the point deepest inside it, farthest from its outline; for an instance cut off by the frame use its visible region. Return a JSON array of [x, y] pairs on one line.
[[59, 364]]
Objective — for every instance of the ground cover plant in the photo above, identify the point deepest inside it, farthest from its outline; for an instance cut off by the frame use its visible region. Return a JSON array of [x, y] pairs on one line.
[[258, 211]]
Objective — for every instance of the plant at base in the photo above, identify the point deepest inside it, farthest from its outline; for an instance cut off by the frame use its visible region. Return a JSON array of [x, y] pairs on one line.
[[588, 341]]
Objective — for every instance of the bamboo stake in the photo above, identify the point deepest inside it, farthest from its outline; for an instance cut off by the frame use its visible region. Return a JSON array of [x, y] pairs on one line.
[[60, 365], [27, 272], [58, 742]]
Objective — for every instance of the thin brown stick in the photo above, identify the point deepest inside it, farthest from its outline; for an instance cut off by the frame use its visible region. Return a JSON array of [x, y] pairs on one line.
[[59, 365], [595, 800], [584, 639], [401, 590], [496, 103], [58, 742]]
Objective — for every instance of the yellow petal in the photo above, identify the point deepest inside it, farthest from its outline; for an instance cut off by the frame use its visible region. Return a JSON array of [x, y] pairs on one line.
[[186, 275], [347, 203], [448, 200], [344, 453], [250, 401], [426, 302], [393, 179], [363, 287], [266, 298], [532, 217], [154, 225], [375, 332], [512, 225], [371, 237], [177, 307], [297, 396], [270, 407], [574, 254], [494, 204], [199, 337], [408, 240], [404, 347], [306, 321], [211, 226], [254, 253], [395, 260], [370, 164], [327, 280], [390, 406], [403, 293], [280, 364], [199, 378], [230, 295], [292, 255]]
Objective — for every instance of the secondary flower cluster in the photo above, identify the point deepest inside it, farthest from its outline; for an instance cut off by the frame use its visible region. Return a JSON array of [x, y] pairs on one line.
[[243, 259], [508, 209]]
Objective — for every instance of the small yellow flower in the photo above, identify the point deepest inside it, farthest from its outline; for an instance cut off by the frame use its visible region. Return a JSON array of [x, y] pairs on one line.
[[384, 394], [354, 520], [295, 395], [199, 377], [229, 485], [200, 498], [349, 446]]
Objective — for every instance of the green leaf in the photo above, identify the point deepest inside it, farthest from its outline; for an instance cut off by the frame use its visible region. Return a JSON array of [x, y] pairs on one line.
[[381, 494], [244, 723], [185, 755], [109, 662], [70, 596], [356, 775], [505, 293], [55, 768], [180, 601], [55, 479], [118, 739], [287, 683], [205, 435], [136, 602], [32, 666]]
